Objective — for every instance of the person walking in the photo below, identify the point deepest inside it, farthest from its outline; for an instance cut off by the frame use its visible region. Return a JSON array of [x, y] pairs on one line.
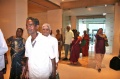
[[69, 36], [75, 49], [3, 50], [41, 58], [46, 29], [99, 48]]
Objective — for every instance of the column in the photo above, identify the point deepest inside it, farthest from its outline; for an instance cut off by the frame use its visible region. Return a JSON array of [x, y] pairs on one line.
[[73, 22], [54, 18], [13, 15], [21, 15], [116, 40]]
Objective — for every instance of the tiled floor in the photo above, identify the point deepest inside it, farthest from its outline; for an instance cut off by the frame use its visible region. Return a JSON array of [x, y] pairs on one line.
[[84, 70]]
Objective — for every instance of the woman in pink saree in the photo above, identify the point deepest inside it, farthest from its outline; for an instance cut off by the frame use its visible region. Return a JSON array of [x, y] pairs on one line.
[[75, 49]]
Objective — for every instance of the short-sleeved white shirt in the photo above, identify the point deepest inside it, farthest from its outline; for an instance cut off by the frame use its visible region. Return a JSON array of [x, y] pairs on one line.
[[68, 37], [39, 57], [54, 43], [3, 50]]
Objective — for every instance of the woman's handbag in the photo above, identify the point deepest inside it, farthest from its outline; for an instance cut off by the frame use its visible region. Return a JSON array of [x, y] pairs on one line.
[[106, 42]]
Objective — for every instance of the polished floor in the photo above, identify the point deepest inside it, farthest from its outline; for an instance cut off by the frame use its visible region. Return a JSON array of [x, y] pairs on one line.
[[85, 69]]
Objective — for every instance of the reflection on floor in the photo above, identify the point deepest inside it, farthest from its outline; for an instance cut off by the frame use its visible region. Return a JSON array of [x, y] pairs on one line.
[[85, 69]]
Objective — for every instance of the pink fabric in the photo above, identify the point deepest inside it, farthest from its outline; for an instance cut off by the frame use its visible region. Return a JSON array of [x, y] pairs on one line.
[[75, 50]]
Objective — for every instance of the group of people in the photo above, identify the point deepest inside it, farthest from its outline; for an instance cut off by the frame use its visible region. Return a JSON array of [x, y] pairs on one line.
[[41, 59], [76, 44]]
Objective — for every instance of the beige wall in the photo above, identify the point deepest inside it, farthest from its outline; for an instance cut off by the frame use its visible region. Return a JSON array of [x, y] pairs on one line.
[[12, 16], [21, 15], [55, 19], [42, 18], [7, 17], [116, 39]]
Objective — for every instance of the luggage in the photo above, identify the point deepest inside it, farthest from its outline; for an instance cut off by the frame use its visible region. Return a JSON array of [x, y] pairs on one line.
[[115, 63]]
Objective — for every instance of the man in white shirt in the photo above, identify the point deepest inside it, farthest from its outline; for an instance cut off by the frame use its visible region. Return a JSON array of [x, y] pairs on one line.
[[41, 59], [69, 36], [3, 50], [46, 30]]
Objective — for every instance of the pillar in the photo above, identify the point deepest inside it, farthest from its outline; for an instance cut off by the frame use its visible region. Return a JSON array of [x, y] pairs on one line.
[[13, 14], [116, 40]]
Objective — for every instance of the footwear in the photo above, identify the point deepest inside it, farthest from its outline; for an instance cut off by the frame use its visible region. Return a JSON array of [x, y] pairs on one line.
[[75, 63], [99, 70], [71, 63], [65, 59]]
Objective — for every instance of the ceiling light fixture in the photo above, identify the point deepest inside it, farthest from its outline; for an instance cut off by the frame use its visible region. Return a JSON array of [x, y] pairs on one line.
[[104, 14]]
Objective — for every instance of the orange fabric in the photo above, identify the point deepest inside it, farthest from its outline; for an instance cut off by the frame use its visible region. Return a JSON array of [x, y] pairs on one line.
[[86, 47]]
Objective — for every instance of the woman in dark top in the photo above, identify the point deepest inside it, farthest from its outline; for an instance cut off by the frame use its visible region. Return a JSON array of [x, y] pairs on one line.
[[99, 48], [17, 44]]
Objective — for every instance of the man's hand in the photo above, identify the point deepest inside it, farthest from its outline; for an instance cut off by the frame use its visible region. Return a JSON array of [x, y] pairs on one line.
[[27, 75], [53, 75]]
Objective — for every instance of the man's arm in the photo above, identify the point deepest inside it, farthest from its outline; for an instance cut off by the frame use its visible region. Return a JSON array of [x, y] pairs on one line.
[[56, 51], [53, 75], [3, 45], [25, 69]]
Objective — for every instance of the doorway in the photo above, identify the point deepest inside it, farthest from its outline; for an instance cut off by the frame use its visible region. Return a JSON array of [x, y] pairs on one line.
[[91, 25]]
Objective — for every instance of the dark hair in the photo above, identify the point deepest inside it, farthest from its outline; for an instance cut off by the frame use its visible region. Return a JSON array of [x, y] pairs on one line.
[[99, 29], [35, 20], [20, 29], [57, 30]]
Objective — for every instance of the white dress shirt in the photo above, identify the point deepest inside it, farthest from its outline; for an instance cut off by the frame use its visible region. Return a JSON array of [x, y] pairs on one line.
[[3, 50], [54, 43], [39, 57]]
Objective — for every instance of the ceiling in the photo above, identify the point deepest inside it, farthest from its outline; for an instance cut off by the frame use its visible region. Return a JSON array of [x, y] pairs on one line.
[[37, 6]]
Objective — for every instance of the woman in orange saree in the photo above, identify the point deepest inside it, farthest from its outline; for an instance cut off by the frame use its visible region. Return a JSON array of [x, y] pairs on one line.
[[85, 48]]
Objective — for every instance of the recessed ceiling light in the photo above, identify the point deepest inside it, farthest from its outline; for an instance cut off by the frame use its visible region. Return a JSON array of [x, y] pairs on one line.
[[105, 5], [104, 14]]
